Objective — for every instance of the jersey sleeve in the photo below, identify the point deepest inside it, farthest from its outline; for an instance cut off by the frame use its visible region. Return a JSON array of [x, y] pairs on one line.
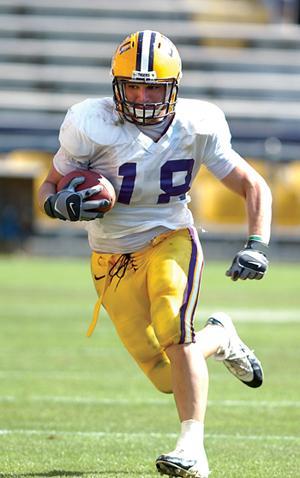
[[74, 141], [219, 157], [64, 163]]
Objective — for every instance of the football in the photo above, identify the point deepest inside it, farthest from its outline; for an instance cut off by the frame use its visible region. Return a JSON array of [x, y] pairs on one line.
[[92, 178]]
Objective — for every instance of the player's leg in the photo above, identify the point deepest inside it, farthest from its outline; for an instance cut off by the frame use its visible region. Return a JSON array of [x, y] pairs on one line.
[[127, 303], [220, 341], [190, 380], [173, 285]]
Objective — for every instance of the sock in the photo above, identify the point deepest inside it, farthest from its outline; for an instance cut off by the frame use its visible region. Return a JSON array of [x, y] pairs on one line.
[[191, 437], [223, 350]]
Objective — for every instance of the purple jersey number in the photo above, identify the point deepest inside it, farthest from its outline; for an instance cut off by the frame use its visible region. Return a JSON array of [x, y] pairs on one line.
[[166, 179], [128, 171]]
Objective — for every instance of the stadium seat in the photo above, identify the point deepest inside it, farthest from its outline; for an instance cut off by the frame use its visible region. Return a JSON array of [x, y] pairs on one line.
[[286, 195], [42, 159], [31, 155], [228, 11], [57, 52], [214, 204]]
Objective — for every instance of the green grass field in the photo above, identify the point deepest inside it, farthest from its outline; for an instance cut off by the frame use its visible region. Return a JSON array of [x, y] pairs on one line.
[[78, 407]]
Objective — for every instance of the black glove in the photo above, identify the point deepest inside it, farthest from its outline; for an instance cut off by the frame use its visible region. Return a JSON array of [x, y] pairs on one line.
[[250, 263], [71, 205]]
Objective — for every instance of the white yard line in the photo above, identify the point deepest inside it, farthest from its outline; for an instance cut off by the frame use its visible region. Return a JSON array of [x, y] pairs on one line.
[[255, 403], [257, 314], [254, 315], [138, 435], [133, 401], [50, 375]]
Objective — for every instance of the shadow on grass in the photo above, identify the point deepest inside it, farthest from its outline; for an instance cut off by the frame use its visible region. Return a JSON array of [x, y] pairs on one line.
[[54, 473]]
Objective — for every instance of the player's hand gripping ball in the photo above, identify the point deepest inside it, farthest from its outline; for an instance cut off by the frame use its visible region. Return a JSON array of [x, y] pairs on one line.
[[91, 179], [82, 195]]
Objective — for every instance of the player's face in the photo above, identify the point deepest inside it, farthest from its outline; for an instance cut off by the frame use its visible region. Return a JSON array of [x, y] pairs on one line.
[[142, 95]]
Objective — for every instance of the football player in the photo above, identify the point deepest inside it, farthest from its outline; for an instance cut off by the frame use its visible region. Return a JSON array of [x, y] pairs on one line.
[[146, 256]]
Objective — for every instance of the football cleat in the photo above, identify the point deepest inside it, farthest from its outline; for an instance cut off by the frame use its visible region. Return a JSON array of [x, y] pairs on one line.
[[237, 357], [176, 464]]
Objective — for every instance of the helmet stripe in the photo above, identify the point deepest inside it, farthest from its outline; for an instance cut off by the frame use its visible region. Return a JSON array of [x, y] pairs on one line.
[[145, 51], [151, 51], [139, 51]]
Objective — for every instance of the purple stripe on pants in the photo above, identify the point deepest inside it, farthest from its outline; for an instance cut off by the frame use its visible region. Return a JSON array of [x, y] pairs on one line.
[[189, 286]]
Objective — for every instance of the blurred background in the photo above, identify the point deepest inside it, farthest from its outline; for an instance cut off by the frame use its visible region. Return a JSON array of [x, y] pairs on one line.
[[78, 407], [241, 54]]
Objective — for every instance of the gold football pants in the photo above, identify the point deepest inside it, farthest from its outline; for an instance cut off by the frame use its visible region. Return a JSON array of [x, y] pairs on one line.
[[151, 297]]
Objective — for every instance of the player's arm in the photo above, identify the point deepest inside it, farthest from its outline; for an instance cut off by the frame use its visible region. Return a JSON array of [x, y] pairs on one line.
[[48, 187], [246, 182], [251, 262], [68, 204]]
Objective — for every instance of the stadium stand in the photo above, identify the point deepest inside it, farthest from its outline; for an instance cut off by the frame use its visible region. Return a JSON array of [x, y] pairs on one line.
[[57, 52], [44, 46]]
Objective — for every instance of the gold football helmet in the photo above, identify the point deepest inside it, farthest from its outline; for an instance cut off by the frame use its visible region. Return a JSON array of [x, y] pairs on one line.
[[150, 58]]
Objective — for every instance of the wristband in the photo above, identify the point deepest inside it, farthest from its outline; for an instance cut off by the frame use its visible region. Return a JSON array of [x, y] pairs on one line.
[[256, 237], [256, 245]]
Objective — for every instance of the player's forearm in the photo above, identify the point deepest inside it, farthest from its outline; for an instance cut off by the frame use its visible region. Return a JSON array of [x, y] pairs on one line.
[[46, 189], [259, 209]]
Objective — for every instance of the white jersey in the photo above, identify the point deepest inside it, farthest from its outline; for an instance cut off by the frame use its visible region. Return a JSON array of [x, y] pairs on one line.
[[151, 179]]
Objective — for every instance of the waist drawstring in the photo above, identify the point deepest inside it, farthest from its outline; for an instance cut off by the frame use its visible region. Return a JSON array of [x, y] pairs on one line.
[[97, 306], [119, 268]]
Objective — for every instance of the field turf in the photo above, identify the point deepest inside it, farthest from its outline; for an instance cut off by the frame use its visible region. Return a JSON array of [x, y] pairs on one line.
[[78, 407]]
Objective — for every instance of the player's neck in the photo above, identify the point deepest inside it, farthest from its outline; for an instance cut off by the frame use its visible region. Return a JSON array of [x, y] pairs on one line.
[[156, 131]]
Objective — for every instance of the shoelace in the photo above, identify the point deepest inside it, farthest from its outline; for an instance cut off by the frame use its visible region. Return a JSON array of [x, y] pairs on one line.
[[244, 352], [241, 365]]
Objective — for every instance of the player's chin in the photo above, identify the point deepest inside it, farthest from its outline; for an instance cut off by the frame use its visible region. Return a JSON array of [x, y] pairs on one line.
[[153, 121], [146, 117], [148, 121]]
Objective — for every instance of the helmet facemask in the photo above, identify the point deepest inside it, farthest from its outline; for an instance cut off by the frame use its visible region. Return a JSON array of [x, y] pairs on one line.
[[145, 113]]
